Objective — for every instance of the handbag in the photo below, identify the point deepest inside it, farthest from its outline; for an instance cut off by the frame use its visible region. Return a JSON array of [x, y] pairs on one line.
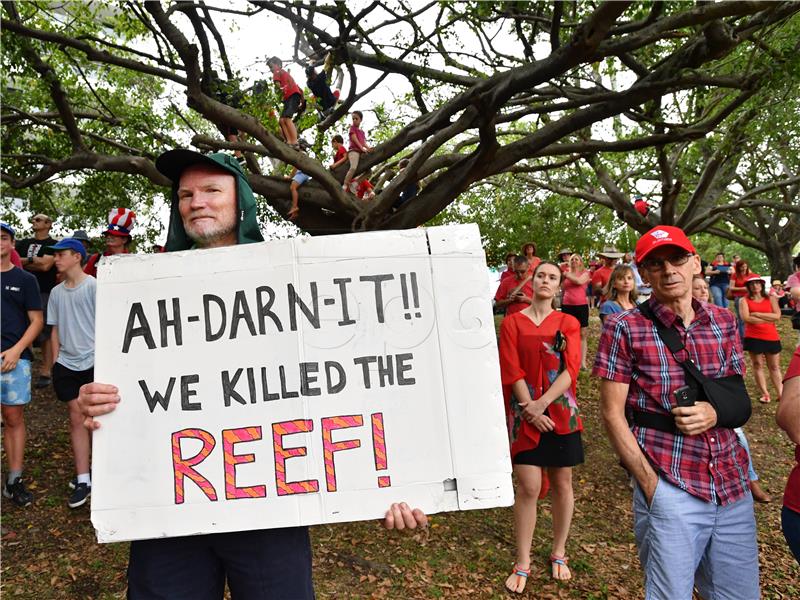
[[728, 395]]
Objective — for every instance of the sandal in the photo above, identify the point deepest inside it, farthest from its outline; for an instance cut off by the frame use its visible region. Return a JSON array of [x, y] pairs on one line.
[[765, 399], [521, 578], [292, 214], [560, 569]]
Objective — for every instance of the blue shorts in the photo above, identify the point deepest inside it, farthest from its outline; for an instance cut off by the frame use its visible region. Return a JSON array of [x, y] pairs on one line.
[[15, 386], [300, 178]]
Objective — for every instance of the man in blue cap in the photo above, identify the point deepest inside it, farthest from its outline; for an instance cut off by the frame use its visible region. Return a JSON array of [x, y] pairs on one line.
[[213, 206], [22, 321], [70, 313]]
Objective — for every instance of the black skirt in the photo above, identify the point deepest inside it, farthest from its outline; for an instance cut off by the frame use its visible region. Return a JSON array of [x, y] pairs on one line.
[[554, 450], [761, 346], [579, 311]]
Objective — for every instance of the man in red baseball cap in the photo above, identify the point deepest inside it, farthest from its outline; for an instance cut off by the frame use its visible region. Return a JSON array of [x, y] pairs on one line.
[[693, 511]]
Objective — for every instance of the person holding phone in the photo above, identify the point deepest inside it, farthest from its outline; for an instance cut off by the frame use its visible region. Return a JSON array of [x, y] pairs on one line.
[[515, 293], [693, 511]]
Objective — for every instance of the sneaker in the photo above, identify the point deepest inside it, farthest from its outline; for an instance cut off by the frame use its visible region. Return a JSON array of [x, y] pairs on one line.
[[43, 381], [79, 495], [18, 493]]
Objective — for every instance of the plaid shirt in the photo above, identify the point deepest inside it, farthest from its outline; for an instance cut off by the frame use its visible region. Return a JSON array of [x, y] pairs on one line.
[[712, 465]]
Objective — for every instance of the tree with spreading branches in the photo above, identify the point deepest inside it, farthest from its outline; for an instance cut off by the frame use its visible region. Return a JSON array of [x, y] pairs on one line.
[[93, 92]]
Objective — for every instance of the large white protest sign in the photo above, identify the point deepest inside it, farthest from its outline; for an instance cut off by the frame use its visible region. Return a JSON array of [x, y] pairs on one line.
[[303, 381]]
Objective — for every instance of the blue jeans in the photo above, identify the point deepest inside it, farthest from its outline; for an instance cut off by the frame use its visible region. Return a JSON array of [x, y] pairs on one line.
[[751, 472], [790, 523], [718, 295], [265, 564], [739, 321], [684, 541]]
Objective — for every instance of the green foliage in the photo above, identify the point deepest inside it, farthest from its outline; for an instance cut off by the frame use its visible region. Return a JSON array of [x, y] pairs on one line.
[[509, 216]]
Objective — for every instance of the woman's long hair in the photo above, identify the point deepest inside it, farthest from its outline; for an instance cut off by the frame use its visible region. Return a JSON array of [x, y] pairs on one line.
[[742, 267], [610, 292], [751, 292]]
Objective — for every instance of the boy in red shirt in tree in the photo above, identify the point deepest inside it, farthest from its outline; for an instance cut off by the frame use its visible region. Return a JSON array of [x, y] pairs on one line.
[[292, 100], [340, 152]]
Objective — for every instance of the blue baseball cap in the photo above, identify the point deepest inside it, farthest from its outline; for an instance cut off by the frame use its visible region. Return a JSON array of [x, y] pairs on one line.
[[68, 244], [8, 229]]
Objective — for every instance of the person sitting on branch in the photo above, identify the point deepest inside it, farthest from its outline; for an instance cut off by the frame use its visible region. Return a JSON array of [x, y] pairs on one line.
[[358, 145], [298, 178], [340, 152]]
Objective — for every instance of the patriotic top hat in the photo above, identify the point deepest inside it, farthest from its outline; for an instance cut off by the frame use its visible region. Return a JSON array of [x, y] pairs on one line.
[[120, 222]]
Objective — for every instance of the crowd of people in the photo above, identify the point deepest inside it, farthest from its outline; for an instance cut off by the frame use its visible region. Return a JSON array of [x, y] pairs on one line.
[[670, 362]]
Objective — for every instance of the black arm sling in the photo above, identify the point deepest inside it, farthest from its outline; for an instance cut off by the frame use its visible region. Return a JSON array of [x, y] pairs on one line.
[[728, 395]]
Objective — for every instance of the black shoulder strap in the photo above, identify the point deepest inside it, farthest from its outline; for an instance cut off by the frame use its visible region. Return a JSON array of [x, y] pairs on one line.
[[672, 340]]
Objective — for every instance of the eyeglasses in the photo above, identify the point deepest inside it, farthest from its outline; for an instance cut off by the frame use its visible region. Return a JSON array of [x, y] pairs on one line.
[[37, 219], [658, 264]]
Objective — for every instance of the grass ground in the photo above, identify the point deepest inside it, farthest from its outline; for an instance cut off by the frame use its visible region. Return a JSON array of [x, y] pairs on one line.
[[49, 551]]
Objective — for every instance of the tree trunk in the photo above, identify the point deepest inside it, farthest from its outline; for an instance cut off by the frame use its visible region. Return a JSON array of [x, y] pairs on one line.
[[779, 256]]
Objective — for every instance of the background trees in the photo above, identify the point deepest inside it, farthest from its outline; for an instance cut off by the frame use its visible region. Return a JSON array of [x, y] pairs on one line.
[[549, 93]]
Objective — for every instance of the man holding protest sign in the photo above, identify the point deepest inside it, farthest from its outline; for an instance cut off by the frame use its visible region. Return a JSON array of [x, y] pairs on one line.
[[213, 206]]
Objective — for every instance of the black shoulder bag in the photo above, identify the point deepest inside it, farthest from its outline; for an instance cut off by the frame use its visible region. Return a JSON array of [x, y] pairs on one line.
[[728, 395]]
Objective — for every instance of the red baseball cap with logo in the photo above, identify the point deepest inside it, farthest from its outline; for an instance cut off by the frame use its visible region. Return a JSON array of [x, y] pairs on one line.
[[663, 235]]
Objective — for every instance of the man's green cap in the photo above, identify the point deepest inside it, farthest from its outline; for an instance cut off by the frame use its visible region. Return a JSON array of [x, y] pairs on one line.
[[174, 162]]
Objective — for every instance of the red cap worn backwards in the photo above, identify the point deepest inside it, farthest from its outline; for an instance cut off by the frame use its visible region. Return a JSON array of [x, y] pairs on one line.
[[663, 235]]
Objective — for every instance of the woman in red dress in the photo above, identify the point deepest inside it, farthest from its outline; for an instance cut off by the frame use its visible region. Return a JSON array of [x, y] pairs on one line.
[[760, 312], [540, 354]]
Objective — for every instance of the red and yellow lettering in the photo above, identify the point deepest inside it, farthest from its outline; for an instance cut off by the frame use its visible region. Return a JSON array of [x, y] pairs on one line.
[[283, 454], [229, 438], [183, 467]]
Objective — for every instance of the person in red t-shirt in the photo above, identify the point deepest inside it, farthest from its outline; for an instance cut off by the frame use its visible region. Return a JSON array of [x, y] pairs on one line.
[[292, 100], [640, 205], [788, 419], [760, 312], [601, 276], [509, 272], [529, 252], [365, 189], [15, 259], [339, 151], [515, 293]]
